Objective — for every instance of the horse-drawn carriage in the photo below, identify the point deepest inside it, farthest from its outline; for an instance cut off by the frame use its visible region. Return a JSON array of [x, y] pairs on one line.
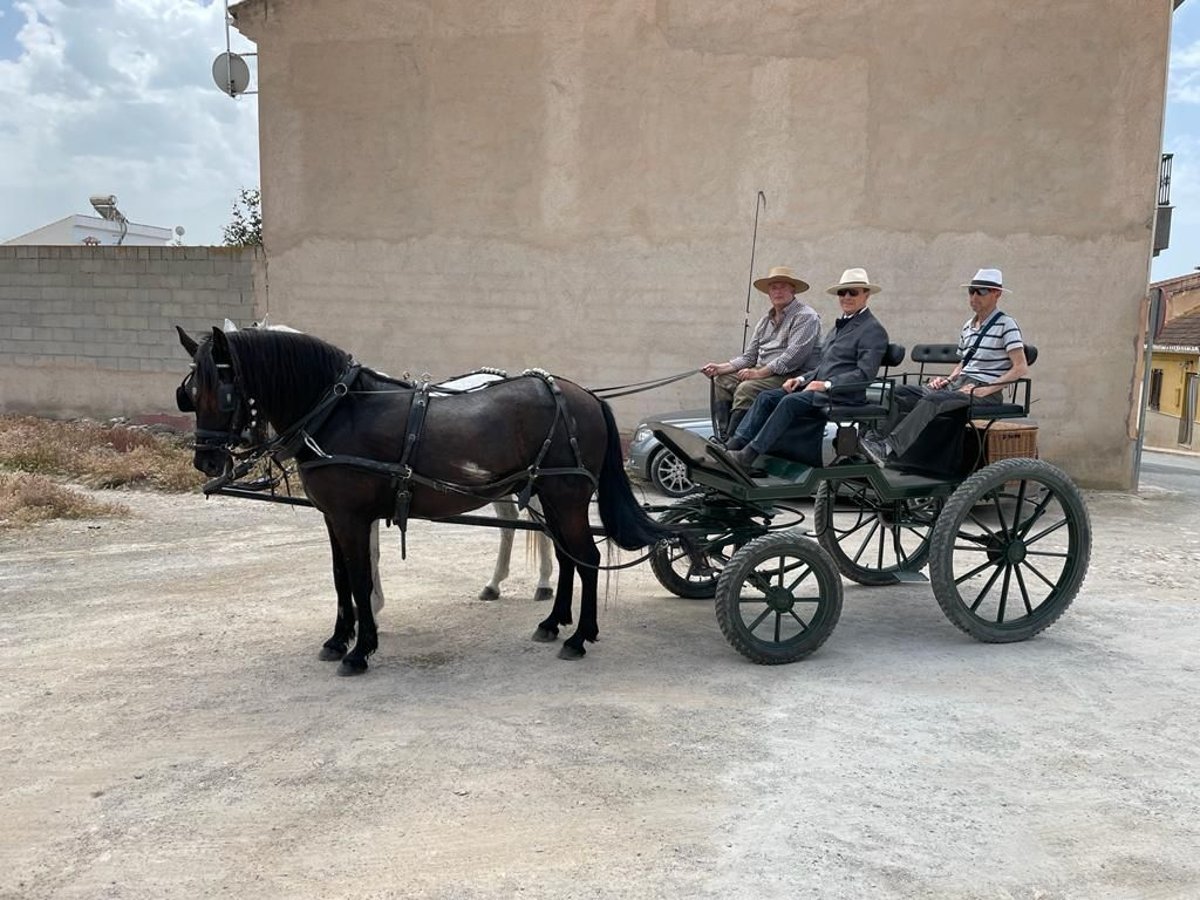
[[1007, 547], [1006, 542]]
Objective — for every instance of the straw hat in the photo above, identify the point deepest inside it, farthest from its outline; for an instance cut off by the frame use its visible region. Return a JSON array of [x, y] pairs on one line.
[[852, 278], [781, 273], [988, 278]]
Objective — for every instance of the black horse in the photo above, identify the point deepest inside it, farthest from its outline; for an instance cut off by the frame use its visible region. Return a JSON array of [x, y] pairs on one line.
[[370, 447]]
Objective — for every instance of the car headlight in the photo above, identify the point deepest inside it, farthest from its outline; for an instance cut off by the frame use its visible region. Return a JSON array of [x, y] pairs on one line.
[[642, 435]]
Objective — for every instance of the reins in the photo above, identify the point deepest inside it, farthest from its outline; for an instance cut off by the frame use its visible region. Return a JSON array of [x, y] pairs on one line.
[[302, 434]]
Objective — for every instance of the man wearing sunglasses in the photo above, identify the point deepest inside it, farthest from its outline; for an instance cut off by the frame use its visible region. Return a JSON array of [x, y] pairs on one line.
[[991, 354], [790, 421], [783, 341]]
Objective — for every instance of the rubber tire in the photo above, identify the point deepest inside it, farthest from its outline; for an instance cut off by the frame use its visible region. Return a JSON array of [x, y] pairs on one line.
[[770, 653], [662, 457], [823, 507], [664, 571], [946, 533]]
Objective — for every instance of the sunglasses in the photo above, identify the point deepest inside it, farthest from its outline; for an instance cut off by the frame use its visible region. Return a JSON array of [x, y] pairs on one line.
[[978, 292], [850, 292]]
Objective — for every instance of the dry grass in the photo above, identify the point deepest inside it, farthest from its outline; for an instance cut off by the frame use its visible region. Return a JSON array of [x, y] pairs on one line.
[[28, 499], [36, 454], [96, 455]]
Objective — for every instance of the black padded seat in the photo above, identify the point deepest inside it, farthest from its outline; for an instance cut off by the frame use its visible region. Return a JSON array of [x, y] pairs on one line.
[[947, 355], [878, 390]]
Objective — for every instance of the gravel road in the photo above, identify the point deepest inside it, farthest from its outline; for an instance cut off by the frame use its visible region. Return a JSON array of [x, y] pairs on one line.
[[166, 729]]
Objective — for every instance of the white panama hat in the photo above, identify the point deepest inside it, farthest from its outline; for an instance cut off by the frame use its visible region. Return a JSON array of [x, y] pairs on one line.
[[988, 278], [855, 278]]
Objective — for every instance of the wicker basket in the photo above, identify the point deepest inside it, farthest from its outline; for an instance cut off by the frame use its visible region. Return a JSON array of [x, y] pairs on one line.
[[1009, 440]]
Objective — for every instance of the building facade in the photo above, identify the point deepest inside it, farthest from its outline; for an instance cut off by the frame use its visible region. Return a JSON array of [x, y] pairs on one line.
[[93, 231], [574, 185]]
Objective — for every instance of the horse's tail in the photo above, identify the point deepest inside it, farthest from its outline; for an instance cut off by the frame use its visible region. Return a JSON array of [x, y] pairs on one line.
[[624, 519]]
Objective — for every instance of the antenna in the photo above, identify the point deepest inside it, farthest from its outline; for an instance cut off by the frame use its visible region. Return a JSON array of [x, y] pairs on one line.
[[229, 69]]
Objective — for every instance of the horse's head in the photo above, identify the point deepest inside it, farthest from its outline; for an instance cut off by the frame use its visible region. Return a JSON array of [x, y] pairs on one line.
[[225, 417]]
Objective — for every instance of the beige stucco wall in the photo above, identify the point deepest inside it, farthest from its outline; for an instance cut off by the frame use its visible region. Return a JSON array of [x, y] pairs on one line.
[[572, 185]]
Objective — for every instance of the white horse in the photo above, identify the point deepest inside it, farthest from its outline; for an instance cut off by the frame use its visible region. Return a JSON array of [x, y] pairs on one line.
[[539, 542]]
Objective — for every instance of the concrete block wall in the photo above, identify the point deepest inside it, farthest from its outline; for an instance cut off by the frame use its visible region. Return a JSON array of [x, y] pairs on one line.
[[90, 331]]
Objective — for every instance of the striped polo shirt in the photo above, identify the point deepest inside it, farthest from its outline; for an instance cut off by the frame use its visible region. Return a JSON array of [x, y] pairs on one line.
[[990, 359]]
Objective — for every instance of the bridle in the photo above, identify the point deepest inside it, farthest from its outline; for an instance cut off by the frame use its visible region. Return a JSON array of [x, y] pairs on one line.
[[231, 401]]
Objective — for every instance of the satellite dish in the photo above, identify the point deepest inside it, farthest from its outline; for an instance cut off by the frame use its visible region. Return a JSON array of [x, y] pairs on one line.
[[179, 230], [231, 73]]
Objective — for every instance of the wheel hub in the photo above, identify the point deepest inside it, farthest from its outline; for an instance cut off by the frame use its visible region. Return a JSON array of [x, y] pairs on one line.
[[1008, 551], [780, 599]]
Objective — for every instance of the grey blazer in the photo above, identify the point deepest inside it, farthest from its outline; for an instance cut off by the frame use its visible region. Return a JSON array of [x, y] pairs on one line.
[[851, 354]]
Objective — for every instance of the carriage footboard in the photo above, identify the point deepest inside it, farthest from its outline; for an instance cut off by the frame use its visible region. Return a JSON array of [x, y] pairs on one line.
[[700, 454]]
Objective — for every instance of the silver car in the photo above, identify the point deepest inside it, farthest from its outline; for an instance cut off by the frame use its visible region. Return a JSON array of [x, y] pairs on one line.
[[652, 461]]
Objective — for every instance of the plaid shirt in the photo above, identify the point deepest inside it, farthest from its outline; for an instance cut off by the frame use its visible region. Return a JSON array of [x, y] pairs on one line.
[[784, 347]]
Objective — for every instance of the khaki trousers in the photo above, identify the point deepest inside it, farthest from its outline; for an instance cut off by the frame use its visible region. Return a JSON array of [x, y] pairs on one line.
[[742, 393]]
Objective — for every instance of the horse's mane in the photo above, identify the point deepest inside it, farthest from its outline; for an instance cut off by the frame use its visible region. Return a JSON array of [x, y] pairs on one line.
[[285, 371]]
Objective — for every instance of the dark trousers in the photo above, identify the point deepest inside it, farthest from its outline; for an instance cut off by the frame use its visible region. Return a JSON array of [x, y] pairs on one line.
[[914, 407], [787, 425]]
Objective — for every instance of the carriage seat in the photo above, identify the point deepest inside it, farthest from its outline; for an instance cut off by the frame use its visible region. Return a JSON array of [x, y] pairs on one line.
[[934, 359], [879, 393]]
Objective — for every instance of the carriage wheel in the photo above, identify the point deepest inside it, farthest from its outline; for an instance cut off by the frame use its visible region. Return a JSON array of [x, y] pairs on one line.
[[1010, 550], [871, 539], [675, 570], [779, 598]]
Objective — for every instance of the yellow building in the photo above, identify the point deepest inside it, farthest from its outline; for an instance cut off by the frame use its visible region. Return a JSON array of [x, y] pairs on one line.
[[1175, 361]]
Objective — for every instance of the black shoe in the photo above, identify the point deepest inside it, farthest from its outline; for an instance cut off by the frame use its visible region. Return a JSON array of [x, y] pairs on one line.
[[875, 449], [735, 443], [744, 457]]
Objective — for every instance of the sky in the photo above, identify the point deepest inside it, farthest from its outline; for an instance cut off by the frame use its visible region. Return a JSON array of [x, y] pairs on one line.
[[117, 97]]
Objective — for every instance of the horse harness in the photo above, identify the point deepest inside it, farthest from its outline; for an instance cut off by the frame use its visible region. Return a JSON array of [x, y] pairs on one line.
[[285, 446]]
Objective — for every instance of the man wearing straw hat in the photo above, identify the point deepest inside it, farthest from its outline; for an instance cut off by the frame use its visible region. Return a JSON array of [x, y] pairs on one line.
[[991, 354], [782, 343], [790, 421]]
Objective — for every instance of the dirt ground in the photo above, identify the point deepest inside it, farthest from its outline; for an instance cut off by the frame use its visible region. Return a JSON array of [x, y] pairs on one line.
[[166, 729]]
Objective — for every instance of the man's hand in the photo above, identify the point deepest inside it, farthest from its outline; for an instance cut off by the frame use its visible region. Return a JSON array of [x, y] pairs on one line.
[[938, 382], [815, 385], [980, 390], [752, 374], [792, 383], [713, 369]]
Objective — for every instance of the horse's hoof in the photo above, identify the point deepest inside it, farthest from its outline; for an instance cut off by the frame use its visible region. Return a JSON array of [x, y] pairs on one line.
[[489, 593], [331, 654], [542, 594], [352, 667], [545, 635], [566, 651]]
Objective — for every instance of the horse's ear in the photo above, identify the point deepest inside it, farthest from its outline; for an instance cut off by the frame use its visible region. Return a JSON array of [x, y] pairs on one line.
[[220, 346], [188, 343]]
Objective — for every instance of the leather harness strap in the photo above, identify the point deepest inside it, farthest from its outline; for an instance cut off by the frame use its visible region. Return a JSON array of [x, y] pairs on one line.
[[402, 475]]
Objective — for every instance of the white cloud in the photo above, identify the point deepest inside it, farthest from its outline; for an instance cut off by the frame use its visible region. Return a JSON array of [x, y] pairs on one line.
[[117, 97]]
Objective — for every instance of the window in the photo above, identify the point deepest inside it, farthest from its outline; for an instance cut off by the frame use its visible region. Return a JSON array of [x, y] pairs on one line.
[[1156, 378]]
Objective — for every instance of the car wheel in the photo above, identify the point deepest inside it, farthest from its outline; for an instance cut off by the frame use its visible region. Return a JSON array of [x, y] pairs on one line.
[[669, 475]]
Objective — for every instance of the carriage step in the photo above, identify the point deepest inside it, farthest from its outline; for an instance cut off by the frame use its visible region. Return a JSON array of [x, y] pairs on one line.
[[905, 577]]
